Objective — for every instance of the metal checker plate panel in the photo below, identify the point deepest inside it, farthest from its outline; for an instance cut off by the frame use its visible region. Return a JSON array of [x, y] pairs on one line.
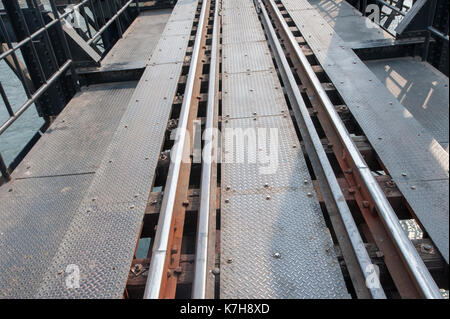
[[111, 230], [275, 224], [332, 9], [178, 27], [273, 159], [184, 10], [88, 123], [121, 182], [404, 146], [247, 93], [233, 4], [246, 57], [290, 224], [140, 39], [296, 5], [34, 217], [438, 222], [170, 49], [115, 201], [428, 103], [241, 25]]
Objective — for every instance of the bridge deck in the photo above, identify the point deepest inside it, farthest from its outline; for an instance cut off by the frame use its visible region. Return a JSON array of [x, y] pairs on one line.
[[283, 217], [39, 204], [87, 209], [421, 89], [136, 46], [412, 156]]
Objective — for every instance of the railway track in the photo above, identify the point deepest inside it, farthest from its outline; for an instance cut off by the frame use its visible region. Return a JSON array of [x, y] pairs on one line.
[[313, 209], [188, 209]]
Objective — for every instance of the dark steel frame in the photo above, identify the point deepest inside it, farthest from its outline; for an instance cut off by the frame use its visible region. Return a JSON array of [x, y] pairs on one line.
[[432, 31]]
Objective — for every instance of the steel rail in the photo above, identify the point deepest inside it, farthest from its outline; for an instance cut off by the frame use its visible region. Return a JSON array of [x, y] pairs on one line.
[[199, 285], [418, 271], [316, 151], [155, 274]]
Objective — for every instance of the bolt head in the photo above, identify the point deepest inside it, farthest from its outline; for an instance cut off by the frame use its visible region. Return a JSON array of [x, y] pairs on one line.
[[216, 271]]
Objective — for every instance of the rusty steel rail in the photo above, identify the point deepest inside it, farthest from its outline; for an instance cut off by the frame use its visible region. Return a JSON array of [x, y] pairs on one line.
[[355, 251], [199, 286], [160, 246], [418, 272]]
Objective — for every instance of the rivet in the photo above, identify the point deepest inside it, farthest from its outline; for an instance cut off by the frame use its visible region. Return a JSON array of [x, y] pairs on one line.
[[266, 185], [268, 197], [132, 207], [404, 174], [227, 200], [277, 255], [309, 195], [366, 204], [229, 260], [413, 187], [228, 188]]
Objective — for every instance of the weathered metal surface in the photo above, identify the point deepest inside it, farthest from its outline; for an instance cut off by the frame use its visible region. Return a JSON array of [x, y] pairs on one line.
[[252, 94], [77, 140], [274, 241], [34, 216], [406, 148], [421, 89], [116, 200], [345, 20], [93, 224]]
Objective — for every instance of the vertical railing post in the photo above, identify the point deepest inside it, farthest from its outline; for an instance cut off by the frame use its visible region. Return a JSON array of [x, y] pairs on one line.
[[65, 44], [431, 15], [138, 10]]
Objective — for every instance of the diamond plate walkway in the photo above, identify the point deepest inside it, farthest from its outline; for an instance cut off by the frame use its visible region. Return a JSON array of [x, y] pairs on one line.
[[274, 241], [415, 160], [77, 201]]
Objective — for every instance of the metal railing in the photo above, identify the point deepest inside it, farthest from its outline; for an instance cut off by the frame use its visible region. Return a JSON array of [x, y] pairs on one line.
[[96, 24], [432, 31]]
